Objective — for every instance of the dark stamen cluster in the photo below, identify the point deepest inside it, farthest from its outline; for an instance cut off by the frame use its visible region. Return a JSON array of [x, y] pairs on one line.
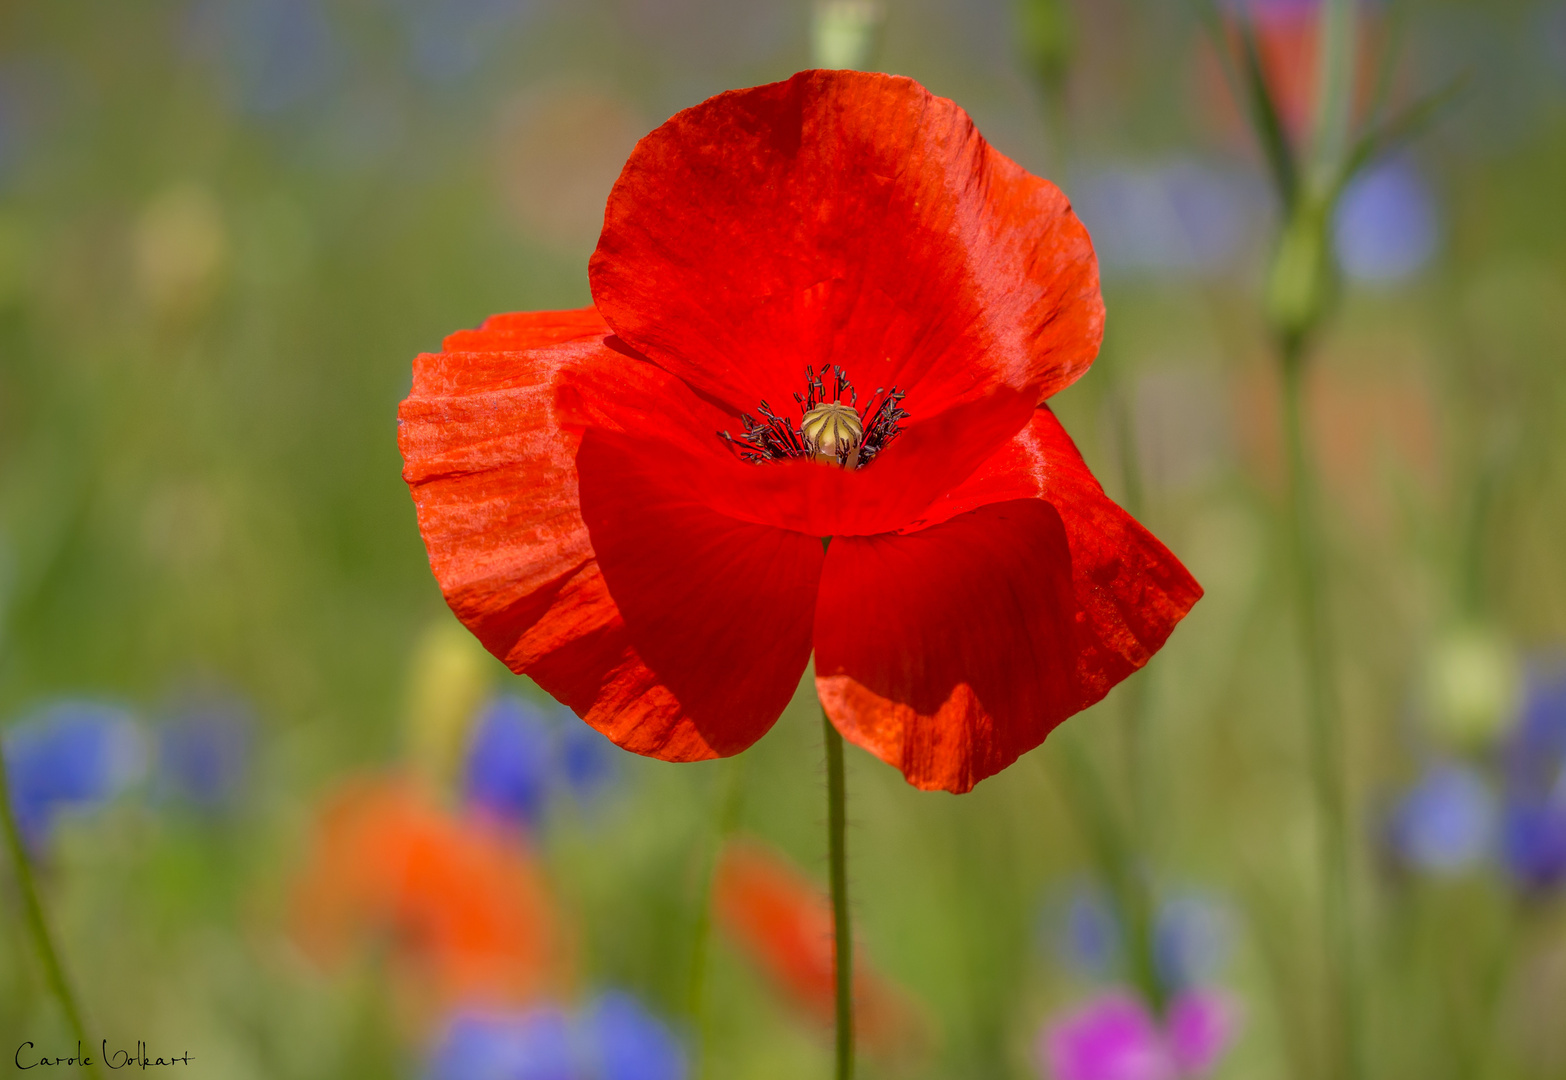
[[773, 438]]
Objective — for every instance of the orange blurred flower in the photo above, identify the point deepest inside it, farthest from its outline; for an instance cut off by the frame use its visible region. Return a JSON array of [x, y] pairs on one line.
[[782, 920], [1286, 43], [458, 905]]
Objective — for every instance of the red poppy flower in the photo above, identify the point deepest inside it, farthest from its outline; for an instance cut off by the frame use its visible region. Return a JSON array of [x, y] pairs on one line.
[[782, 920], [824, 308], [458, 904]]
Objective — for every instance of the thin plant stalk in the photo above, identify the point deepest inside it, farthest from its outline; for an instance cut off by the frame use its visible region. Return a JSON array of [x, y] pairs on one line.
[[38, 925], [842, 932], [1324, 719]]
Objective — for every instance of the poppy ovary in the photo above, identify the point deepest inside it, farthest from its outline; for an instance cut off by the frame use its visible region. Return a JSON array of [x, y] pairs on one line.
[[833, 434], [829, 431]]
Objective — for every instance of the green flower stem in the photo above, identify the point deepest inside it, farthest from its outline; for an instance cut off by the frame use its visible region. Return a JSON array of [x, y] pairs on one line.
[[38, 926], [1326, 738], [842, 933]]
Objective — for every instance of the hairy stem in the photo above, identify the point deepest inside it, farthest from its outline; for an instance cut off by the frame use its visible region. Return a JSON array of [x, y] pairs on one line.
[[38, 926], [1325, 725], [842, 933]]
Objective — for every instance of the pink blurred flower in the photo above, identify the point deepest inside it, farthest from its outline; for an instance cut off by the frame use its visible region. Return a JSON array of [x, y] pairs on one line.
[[1200, 1026], [1116, 1037]]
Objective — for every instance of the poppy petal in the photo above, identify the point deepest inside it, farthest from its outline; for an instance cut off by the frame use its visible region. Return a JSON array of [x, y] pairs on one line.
[[528, 330], [948, 652], [852, 219], [494, 478], [719, 609], [1023, 598], [1130, 586]]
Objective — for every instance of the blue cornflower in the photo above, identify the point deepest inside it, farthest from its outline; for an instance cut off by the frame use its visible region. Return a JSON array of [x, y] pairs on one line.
[[522, 755], [1534, 830], [1387, 226], [1192, 934], [511, 760], [1552, 36], [449, 39], [204, 751], [1087, 932], [613, 1038], [13, 118], [1446, 822], [275, 54], [1191, 937], [534, 1045], [1534, 840], [626, 1042], [586, 758], [1537, 748], [74, 755], [1181, 216]]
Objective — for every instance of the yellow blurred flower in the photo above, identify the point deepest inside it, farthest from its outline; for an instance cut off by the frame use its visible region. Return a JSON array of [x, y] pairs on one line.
[[180, 249], [447, 679], [1473, 684]]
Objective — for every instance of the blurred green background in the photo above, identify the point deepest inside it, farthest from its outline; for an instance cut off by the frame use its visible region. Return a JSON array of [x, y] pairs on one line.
[[226, 228]]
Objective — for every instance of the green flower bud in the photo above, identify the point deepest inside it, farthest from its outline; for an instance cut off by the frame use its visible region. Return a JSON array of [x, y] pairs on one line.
[[1300, 282]]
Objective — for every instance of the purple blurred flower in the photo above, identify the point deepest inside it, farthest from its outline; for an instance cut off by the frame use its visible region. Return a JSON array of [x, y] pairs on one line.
[[535, 1045], [1116, 1037], [586, 758], [1112, 1037], [1201, 1026], [1386, 227], [1534, 840], [274, 54], [1085, 930], [74, 755], [1537, 748], [626, 1042], [522, 756], [1552, 36], [449, 39], [1192, 934], [510, 760], [1181, 216], [1534, 828], [204, 750], [13, 116], [1446, 822], [613, 1038]]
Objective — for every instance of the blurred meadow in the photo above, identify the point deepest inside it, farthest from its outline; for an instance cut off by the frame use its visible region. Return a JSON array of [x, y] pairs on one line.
[[234, 702]]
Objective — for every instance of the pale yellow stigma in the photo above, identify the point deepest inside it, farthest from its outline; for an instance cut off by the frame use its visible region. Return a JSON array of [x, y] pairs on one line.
[[833, 433]]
